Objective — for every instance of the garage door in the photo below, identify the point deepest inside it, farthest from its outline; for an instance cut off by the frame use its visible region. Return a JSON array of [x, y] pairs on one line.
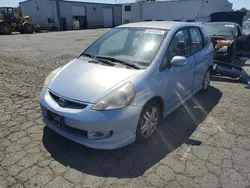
[[108, 16], [78, 11]]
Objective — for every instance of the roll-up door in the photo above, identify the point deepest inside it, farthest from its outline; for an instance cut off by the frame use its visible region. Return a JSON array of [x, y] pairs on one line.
[[78, 11], [108, 16]]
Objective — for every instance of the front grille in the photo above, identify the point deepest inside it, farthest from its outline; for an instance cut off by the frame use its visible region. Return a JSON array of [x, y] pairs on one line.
[[64, 103]]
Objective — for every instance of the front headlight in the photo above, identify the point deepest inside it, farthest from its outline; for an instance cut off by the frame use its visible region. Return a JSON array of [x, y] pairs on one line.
[[223, 49], [49, 78], [119, 98]]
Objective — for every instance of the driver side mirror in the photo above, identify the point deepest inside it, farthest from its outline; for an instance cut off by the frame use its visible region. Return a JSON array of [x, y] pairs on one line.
[[179, 61]]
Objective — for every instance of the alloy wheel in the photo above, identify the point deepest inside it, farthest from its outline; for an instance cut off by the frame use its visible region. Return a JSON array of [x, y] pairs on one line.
[[207, 80], [149, 122]]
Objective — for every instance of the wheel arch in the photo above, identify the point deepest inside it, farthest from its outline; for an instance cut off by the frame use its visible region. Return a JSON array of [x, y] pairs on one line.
[[24, 23], [159, 101]]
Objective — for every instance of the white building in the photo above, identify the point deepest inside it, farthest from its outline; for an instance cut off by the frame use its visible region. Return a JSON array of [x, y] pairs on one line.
[[170, 10], [50, 13]]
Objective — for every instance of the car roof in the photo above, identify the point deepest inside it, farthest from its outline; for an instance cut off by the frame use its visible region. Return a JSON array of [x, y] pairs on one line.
[[158, 24], [220, 23]]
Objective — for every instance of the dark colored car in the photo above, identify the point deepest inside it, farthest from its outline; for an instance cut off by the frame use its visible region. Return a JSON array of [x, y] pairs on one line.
[[225, 32], [223, 36]]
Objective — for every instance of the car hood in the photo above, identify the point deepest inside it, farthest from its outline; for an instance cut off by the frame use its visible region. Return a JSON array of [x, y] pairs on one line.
[[88, 82], [235, 17]]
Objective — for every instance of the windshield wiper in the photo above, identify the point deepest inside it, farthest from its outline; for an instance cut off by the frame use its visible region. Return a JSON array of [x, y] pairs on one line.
[[119, 61], [87, 55], [97, 60]]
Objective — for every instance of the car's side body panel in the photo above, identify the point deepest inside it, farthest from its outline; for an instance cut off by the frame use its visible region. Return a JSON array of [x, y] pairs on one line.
[[179, 86], [161, 84], [243, 45], [201, 65]]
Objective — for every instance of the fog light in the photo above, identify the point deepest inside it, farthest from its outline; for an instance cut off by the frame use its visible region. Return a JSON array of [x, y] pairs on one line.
[[99, 135]]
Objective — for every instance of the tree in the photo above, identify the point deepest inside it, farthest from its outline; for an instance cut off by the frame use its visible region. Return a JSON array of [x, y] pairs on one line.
[[243, 10], [17, 12]]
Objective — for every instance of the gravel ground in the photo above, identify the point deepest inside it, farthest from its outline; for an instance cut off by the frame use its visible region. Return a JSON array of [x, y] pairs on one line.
[[205, 143]]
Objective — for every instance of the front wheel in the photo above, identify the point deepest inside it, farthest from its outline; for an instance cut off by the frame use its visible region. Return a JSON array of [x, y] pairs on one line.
[[148, 121], [28, 28], [5, 29]]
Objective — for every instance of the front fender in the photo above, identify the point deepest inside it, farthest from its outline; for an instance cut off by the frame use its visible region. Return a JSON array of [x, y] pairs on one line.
[[153, 86]]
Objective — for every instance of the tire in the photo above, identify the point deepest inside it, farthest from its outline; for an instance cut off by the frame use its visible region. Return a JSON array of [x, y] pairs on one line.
[[5, 29], [151, 113], [206, 81], [37, 28], [28, 28]]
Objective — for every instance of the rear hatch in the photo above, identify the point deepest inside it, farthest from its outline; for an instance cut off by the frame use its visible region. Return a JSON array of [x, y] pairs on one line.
[[236, 17]]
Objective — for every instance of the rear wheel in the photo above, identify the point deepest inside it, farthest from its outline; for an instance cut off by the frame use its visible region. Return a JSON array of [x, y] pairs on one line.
[[206, 81], [149, 119], [5, 29], [28, 28], [37, 28]]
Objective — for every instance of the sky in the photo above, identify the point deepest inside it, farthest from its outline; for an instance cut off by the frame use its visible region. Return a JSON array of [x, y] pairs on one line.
[[237, 3]]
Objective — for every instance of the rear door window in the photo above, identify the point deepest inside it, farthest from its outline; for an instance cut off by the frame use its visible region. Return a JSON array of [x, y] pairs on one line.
[[196, 40]]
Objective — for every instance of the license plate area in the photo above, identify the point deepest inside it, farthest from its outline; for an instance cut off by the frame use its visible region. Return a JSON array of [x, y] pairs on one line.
[[56, 118]]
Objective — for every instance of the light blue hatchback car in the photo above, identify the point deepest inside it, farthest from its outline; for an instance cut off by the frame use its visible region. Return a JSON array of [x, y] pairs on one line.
[[118, 89]]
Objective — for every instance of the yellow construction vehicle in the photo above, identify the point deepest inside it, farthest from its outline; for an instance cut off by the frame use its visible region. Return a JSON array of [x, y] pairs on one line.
[[12, 21]]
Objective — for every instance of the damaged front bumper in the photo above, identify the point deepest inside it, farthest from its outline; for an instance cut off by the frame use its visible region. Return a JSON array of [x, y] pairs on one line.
[[232, 71], [224, 57]]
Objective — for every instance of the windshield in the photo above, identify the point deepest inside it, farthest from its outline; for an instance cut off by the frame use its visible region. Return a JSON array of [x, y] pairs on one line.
[[134, 45], [219, 29]]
